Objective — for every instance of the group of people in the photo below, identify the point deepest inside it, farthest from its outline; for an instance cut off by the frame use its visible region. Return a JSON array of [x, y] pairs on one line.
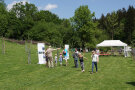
[[76, 55], [49, 56], [95, 59]]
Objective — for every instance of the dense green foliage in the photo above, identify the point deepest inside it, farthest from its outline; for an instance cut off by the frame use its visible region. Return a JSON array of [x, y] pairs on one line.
[[114, 73], [25, 21], [119, 24], [85, 27]]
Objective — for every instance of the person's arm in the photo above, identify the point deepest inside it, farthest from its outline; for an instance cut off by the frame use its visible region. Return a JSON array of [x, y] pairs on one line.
[[85, 58], [54, 49], [91, 55], [45, 51], [97, 59], [58, 48]]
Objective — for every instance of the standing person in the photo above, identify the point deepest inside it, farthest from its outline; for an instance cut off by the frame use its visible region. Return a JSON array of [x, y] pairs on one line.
[[60, 59], [81, 61], [97, 51], [55, 59], [65, 53], [75, 56], [49, 55], [95, 59]]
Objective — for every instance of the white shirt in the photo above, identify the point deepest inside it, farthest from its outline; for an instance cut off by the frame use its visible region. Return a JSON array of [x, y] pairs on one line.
[[55, 58], [94, 58]]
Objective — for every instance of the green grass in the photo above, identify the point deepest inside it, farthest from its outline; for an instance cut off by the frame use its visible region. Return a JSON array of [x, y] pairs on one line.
[[114, 73]]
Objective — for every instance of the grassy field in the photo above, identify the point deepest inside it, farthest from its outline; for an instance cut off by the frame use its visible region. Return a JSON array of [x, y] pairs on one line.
[[114, 73]]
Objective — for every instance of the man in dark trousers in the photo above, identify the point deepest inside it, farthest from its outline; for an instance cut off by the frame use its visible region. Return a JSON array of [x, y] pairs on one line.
[[75, 56]]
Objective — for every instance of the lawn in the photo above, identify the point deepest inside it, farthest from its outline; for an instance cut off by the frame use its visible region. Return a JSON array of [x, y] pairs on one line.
[[114, 73]]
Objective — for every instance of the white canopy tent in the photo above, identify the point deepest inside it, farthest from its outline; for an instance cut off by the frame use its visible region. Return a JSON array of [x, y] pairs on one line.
[[112, 43]]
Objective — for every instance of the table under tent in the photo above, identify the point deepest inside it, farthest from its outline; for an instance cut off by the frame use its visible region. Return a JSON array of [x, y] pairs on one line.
[[115, 43]]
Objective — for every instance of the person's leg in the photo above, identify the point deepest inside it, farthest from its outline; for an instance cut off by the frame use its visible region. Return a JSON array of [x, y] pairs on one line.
[[56, 62], [96, 66], [48, 62], [77, 63], [92, 66], [82, 66], [61, 63], [66, 60], [51, 61]]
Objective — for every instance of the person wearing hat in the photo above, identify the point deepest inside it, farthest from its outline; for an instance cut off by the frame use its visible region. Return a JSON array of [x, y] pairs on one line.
[[49, 55]]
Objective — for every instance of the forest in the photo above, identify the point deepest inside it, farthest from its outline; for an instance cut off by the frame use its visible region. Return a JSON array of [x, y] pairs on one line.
[[26, 22]]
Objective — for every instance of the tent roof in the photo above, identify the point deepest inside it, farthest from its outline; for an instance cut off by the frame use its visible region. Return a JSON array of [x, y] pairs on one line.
[[108, 43]]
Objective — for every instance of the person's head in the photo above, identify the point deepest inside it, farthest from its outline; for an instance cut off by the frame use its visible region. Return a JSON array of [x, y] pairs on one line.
[[79, 54], [75, 49], [93, 52], [60, 53], [49, 46], [55, 54]]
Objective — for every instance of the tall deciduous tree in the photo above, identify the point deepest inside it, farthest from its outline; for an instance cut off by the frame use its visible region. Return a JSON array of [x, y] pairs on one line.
[[84, 25], [3, 18], [25, 13], [112, 24], [46, 16]]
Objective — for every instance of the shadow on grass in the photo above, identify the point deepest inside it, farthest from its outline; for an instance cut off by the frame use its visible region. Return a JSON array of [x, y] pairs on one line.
[[74, 67], [132, 83]]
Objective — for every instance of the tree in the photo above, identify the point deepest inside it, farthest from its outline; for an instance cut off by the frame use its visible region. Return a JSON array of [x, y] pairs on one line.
[[3, 23], [47, 16], [3, 18], [48, 32], [112, 24], [25, 13], [129, 26], [85, 27]]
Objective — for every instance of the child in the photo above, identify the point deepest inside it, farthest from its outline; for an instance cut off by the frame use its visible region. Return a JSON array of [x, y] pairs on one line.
[[55, 59], [60, 59], [81, 61]]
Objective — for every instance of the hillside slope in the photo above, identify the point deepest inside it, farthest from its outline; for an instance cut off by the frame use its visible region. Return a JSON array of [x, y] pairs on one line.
[[114, 73]]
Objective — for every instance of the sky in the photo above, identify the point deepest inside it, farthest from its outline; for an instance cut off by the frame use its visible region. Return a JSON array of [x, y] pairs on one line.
[[66, 8]]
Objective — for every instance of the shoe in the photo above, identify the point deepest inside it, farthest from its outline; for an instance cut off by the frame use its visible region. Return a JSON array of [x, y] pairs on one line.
[[83, 70]]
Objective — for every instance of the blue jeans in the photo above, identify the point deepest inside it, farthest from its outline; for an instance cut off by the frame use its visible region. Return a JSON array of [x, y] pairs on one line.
[[94, 63], [76, 63], [82, 65]]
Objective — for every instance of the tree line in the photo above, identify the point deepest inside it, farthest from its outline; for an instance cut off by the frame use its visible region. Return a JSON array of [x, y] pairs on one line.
[[25, 21]]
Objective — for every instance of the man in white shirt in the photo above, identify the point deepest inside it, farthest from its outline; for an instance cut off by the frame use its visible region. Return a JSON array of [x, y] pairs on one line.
[[95, 59]]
